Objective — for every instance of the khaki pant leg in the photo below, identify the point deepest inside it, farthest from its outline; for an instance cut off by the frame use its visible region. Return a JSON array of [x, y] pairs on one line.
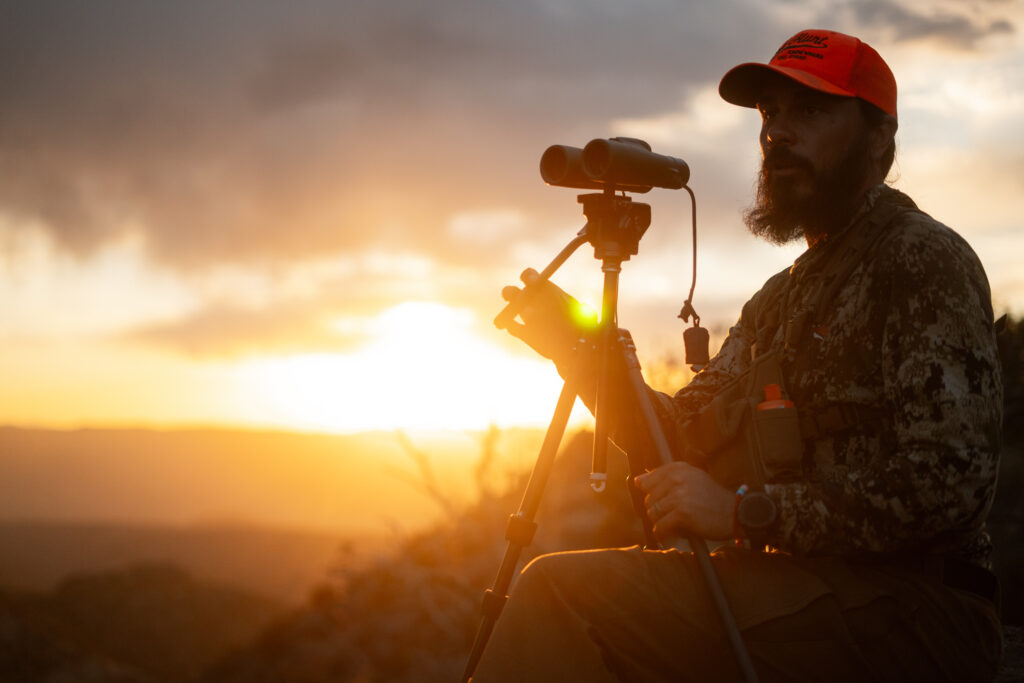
[[609, 615], [632, 615], [922, 630]]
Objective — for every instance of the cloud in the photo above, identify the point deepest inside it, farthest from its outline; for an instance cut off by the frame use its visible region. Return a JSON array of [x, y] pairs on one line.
[[231, 331], [322, 304], [288, 138], [958, 27], [280, 132]]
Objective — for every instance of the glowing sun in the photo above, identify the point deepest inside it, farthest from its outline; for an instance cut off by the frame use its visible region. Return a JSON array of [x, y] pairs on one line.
[[424, 368]]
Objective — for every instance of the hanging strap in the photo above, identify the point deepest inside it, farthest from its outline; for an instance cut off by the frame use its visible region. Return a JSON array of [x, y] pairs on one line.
[[858, 242], [836, 418]]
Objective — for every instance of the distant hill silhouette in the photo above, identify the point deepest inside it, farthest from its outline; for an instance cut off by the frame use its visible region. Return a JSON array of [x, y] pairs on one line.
[[264, 510], [349, 484], [280, 564], [146, 623]]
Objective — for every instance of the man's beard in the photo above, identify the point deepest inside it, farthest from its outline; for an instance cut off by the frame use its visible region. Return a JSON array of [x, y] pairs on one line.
[[780, 215]]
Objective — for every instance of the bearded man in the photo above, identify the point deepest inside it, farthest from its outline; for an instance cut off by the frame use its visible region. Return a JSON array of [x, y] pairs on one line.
[[869, 559]]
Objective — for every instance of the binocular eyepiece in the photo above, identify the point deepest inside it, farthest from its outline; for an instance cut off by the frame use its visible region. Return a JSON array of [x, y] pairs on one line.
[[625, 164]]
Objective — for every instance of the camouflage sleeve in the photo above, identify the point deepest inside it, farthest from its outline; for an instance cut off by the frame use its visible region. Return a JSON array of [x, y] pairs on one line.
[[930, 481], [628, 431], [732, 360]]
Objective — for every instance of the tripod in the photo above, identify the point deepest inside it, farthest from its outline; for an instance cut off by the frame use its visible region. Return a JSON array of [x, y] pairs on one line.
[[615, 225]]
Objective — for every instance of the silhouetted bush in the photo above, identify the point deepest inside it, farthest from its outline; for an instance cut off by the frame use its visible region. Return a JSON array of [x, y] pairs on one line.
[[411, 616], [145, 623], [1006, 521]]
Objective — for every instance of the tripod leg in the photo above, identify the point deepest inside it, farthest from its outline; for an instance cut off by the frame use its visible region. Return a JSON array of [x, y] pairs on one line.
[[521, 526], [697, 545]]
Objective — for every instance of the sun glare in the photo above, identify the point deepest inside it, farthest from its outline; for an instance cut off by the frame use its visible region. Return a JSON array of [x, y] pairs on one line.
[[425, 368]]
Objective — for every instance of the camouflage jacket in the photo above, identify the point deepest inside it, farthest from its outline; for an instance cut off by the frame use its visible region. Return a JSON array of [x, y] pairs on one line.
[[908, 337]]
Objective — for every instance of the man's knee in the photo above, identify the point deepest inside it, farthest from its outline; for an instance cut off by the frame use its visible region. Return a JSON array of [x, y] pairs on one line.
[[549, 571], [580, 576]]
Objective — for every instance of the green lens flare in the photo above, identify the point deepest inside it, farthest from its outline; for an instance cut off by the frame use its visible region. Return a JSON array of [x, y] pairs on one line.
[[584, 315]]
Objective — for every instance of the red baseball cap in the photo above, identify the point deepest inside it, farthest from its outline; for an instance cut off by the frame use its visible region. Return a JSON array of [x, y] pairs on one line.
[[826, 61]]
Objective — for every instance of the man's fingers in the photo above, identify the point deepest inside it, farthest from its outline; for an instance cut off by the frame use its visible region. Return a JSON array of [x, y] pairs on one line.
[[658, 506], [659, 482], [521, 331], [666, 515], [529, 276], [546, 312], [653, 507], [538, 339]]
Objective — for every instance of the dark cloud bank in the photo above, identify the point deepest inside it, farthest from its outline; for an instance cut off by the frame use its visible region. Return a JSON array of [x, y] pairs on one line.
[[262, 132], [219, 127]]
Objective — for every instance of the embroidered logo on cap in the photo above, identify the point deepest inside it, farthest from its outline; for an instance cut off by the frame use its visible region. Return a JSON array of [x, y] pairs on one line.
[[802, 46]]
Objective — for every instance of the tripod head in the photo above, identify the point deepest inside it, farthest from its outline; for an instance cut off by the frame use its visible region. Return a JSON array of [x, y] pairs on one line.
[[615, 224]]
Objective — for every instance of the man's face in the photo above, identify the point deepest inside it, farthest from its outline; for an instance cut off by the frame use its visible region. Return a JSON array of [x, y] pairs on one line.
[[814, 162]]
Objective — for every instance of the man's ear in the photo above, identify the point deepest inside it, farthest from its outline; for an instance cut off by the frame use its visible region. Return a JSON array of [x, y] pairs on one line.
[[881, 137]]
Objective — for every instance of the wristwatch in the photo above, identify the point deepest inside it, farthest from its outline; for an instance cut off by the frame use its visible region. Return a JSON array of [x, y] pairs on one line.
[[756, 513]]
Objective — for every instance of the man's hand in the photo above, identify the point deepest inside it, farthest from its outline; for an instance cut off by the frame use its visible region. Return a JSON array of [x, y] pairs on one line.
[[681, 498], [553, 321]]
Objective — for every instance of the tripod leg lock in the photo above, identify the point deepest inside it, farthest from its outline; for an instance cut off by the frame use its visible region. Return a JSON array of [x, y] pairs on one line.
[[492, 604], [520, 530]]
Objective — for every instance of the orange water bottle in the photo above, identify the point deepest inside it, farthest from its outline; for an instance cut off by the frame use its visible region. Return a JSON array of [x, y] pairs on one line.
[[778, 434], [773, 399]]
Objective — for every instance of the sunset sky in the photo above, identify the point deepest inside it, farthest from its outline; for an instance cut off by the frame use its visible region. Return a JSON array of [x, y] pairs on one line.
[[301, 215]]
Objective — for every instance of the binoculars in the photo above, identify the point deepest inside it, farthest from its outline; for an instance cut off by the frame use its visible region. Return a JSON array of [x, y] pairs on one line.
[[618, 164]]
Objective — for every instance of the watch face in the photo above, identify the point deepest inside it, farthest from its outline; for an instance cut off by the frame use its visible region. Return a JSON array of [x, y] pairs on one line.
[[757, 511]]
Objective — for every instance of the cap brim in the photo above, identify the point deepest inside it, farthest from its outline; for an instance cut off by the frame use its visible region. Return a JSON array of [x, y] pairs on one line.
[[743, 84]]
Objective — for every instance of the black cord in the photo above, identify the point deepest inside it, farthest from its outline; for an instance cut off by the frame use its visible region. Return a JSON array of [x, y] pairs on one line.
[[688, 310]]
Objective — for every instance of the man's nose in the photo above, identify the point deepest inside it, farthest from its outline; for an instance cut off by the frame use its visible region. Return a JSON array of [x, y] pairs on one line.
[[778, 131]]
